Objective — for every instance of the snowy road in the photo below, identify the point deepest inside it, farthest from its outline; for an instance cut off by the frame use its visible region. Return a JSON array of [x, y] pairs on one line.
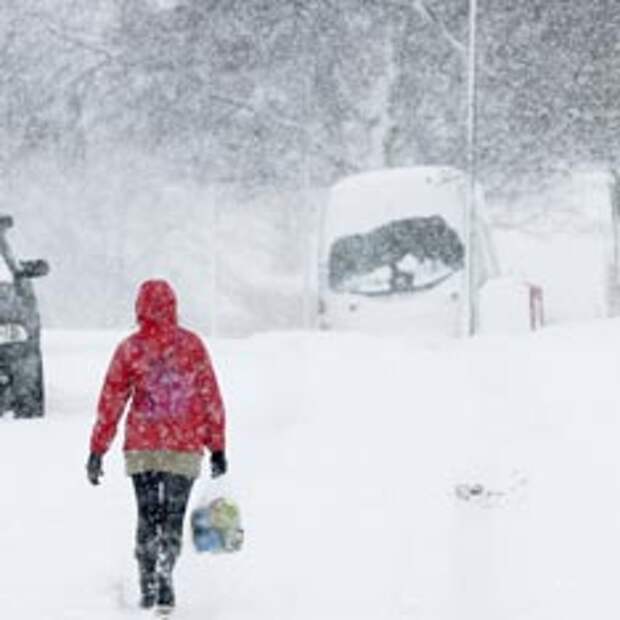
[[345, 453]]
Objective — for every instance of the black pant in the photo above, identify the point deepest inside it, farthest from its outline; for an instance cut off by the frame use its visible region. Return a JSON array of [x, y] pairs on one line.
[[162, 501]]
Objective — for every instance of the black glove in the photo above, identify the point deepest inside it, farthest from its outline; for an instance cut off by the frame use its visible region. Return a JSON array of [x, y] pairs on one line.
[[218, 464], [94, 468]]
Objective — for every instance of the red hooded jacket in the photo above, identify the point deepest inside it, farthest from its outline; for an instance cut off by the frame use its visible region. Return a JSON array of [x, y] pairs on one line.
[[166, 372]]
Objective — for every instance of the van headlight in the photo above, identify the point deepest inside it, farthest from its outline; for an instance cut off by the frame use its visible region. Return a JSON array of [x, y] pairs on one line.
[[12, 332]]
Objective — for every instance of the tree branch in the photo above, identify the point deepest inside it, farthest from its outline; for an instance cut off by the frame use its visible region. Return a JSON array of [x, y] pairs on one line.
[[423, 9], [76, 41]]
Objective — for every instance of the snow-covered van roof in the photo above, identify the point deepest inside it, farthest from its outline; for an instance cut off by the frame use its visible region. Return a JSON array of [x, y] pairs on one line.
[[361, 202]]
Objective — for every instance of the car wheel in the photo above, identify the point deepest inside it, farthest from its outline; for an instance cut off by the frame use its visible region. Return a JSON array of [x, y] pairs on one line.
[[28, 390]]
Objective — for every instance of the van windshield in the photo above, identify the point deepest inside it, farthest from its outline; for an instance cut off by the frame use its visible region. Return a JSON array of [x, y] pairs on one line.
[[405, 255]]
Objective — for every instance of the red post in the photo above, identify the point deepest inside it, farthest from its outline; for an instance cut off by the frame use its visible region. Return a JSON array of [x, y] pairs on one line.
[[537, 315]]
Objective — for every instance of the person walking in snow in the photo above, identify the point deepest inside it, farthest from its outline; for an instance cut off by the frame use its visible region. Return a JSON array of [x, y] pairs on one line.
[[176, 410]]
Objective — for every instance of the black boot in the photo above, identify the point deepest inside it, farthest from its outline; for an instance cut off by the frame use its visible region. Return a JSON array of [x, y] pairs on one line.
[[148, 593], [165, 591], [148, 581]]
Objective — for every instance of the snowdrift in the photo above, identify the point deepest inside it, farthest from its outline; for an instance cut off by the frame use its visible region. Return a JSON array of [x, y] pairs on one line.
[[460, 481]]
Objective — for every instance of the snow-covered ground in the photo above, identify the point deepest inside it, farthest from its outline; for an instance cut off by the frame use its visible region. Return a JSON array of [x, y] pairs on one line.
[[348, 455]]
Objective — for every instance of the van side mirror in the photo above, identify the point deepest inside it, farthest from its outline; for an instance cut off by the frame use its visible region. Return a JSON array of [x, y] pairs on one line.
[[33, 268]]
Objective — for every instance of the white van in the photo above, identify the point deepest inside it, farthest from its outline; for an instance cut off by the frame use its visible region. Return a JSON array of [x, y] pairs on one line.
[[392, 251]]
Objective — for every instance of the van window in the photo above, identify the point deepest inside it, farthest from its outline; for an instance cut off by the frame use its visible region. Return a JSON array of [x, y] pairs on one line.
[[403, 255]]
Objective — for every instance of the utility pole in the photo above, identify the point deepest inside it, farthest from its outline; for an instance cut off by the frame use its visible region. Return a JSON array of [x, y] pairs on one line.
[[214, 251], [308, 254], [307, 310], [470, 293]]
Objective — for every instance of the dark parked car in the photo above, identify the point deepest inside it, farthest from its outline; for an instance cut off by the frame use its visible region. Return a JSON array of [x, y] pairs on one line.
[[21, 365]]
